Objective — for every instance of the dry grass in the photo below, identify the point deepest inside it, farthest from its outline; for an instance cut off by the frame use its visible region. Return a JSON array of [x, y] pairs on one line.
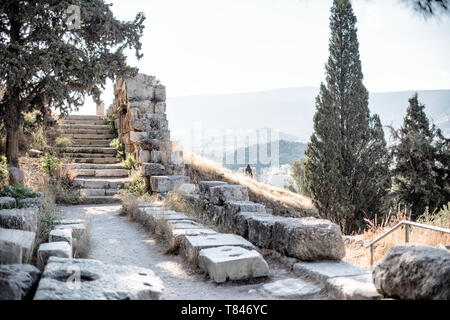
[[281, 201], [359, 255], [34, 178]]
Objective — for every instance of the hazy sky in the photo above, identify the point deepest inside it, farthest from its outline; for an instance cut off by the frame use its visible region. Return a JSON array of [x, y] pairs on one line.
[[225, 46]]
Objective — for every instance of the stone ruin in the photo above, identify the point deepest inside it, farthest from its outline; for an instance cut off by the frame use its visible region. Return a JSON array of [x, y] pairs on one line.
[[140, 111]]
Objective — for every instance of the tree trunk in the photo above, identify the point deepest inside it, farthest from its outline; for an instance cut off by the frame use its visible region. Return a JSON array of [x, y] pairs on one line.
[[12, 145]]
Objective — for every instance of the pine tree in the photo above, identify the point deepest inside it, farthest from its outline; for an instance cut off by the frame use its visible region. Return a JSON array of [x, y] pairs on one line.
[[421, 174], [49, 62], [347, 163]]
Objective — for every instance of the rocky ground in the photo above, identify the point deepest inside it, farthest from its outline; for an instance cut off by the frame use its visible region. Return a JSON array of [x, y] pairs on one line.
[[117, 240]]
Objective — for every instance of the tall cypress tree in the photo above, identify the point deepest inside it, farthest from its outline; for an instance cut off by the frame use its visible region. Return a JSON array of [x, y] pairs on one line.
[[422, 154], [347, 161]]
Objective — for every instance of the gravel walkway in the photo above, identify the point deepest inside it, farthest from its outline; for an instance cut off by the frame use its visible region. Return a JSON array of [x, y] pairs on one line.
[[117, 240]]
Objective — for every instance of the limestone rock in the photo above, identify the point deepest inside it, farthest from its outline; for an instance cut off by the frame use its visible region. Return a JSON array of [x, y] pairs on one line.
[[95, 280], [23, 239], [144, 155], [152, 169], [186, 188], [194, 244], [260, 229], [17, 281], [233, 207], [22, 219], [7, 203], [223, 193], [160, 93], [33, 153], [205, 185], [161, 183], [53, 249], [291, 289], [352, 288], [155, 156], [10, 252], [61, 235], [232, 263], [308, 239], [414, 272], [140, 88]]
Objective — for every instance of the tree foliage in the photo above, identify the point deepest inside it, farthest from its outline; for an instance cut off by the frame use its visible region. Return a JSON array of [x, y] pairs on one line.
[[47, 62], [347, 164], [422, 160]]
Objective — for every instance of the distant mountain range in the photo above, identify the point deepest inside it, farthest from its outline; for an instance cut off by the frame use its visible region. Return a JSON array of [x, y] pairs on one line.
[[289, 110]]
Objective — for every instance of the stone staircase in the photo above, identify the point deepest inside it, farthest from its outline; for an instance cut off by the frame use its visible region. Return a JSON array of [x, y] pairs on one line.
[[99, 172]]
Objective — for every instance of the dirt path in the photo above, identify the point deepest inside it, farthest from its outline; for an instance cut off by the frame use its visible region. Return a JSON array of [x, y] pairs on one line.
[[117, 240]]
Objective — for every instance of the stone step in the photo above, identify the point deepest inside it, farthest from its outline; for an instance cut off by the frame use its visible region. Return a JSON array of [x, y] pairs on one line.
[[99, 200], [90, 136], [89, 149], [65, 127], [95, 166], [101, 172], [90, 142], [86, 155], [341, 279], [96, 160], [83, 117], [102, 183], [98, 192], [84, 131], [82, 122]]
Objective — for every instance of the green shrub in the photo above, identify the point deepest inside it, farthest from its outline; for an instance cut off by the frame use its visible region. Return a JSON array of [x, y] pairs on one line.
[[137, 185], [64, 189], [116, 144], [129, 163], [110, 121], [50, 164], [4, 174], [18, 191], [63, 142]]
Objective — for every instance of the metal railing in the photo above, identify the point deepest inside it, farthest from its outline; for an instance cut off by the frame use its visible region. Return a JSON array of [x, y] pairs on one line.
[[407, 225]]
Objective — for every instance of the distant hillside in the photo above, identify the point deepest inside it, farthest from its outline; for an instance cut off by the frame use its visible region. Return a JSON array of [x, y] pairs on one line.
[[288, 151], [290, 110]]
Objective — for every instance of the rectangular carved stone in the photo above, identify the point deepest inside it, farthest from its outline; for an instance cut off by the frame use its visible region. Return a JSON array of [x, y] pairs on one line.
[[152, 169], [223, 193]]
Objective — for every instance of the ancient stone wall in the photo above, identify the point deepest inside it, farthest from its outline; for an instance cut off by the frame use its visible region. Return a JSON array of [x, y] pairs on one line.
[[141, 120]]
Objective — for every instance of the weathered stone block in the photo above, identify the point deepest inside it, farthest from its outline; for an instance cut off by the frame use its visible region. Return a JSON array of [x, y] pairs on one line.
[[17, 281], [136, 136], [223, 193], [260, 229], [152, 169], [184, 224], [53, 249], [194, 244], [78, 229], [308, 239], [324, 270], [144, 155], [7, 203], [232, 263], [167, 183], [160, 93], [10, 252], [291, 289], [155, 156], [233, 207], [140, 88], [414, 272], [177, 158], [22, 219], [61, 235], [98, 281], [192, 232], [186, 188], [160, 107], [205, 185], [24, 239], [352, 288]]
